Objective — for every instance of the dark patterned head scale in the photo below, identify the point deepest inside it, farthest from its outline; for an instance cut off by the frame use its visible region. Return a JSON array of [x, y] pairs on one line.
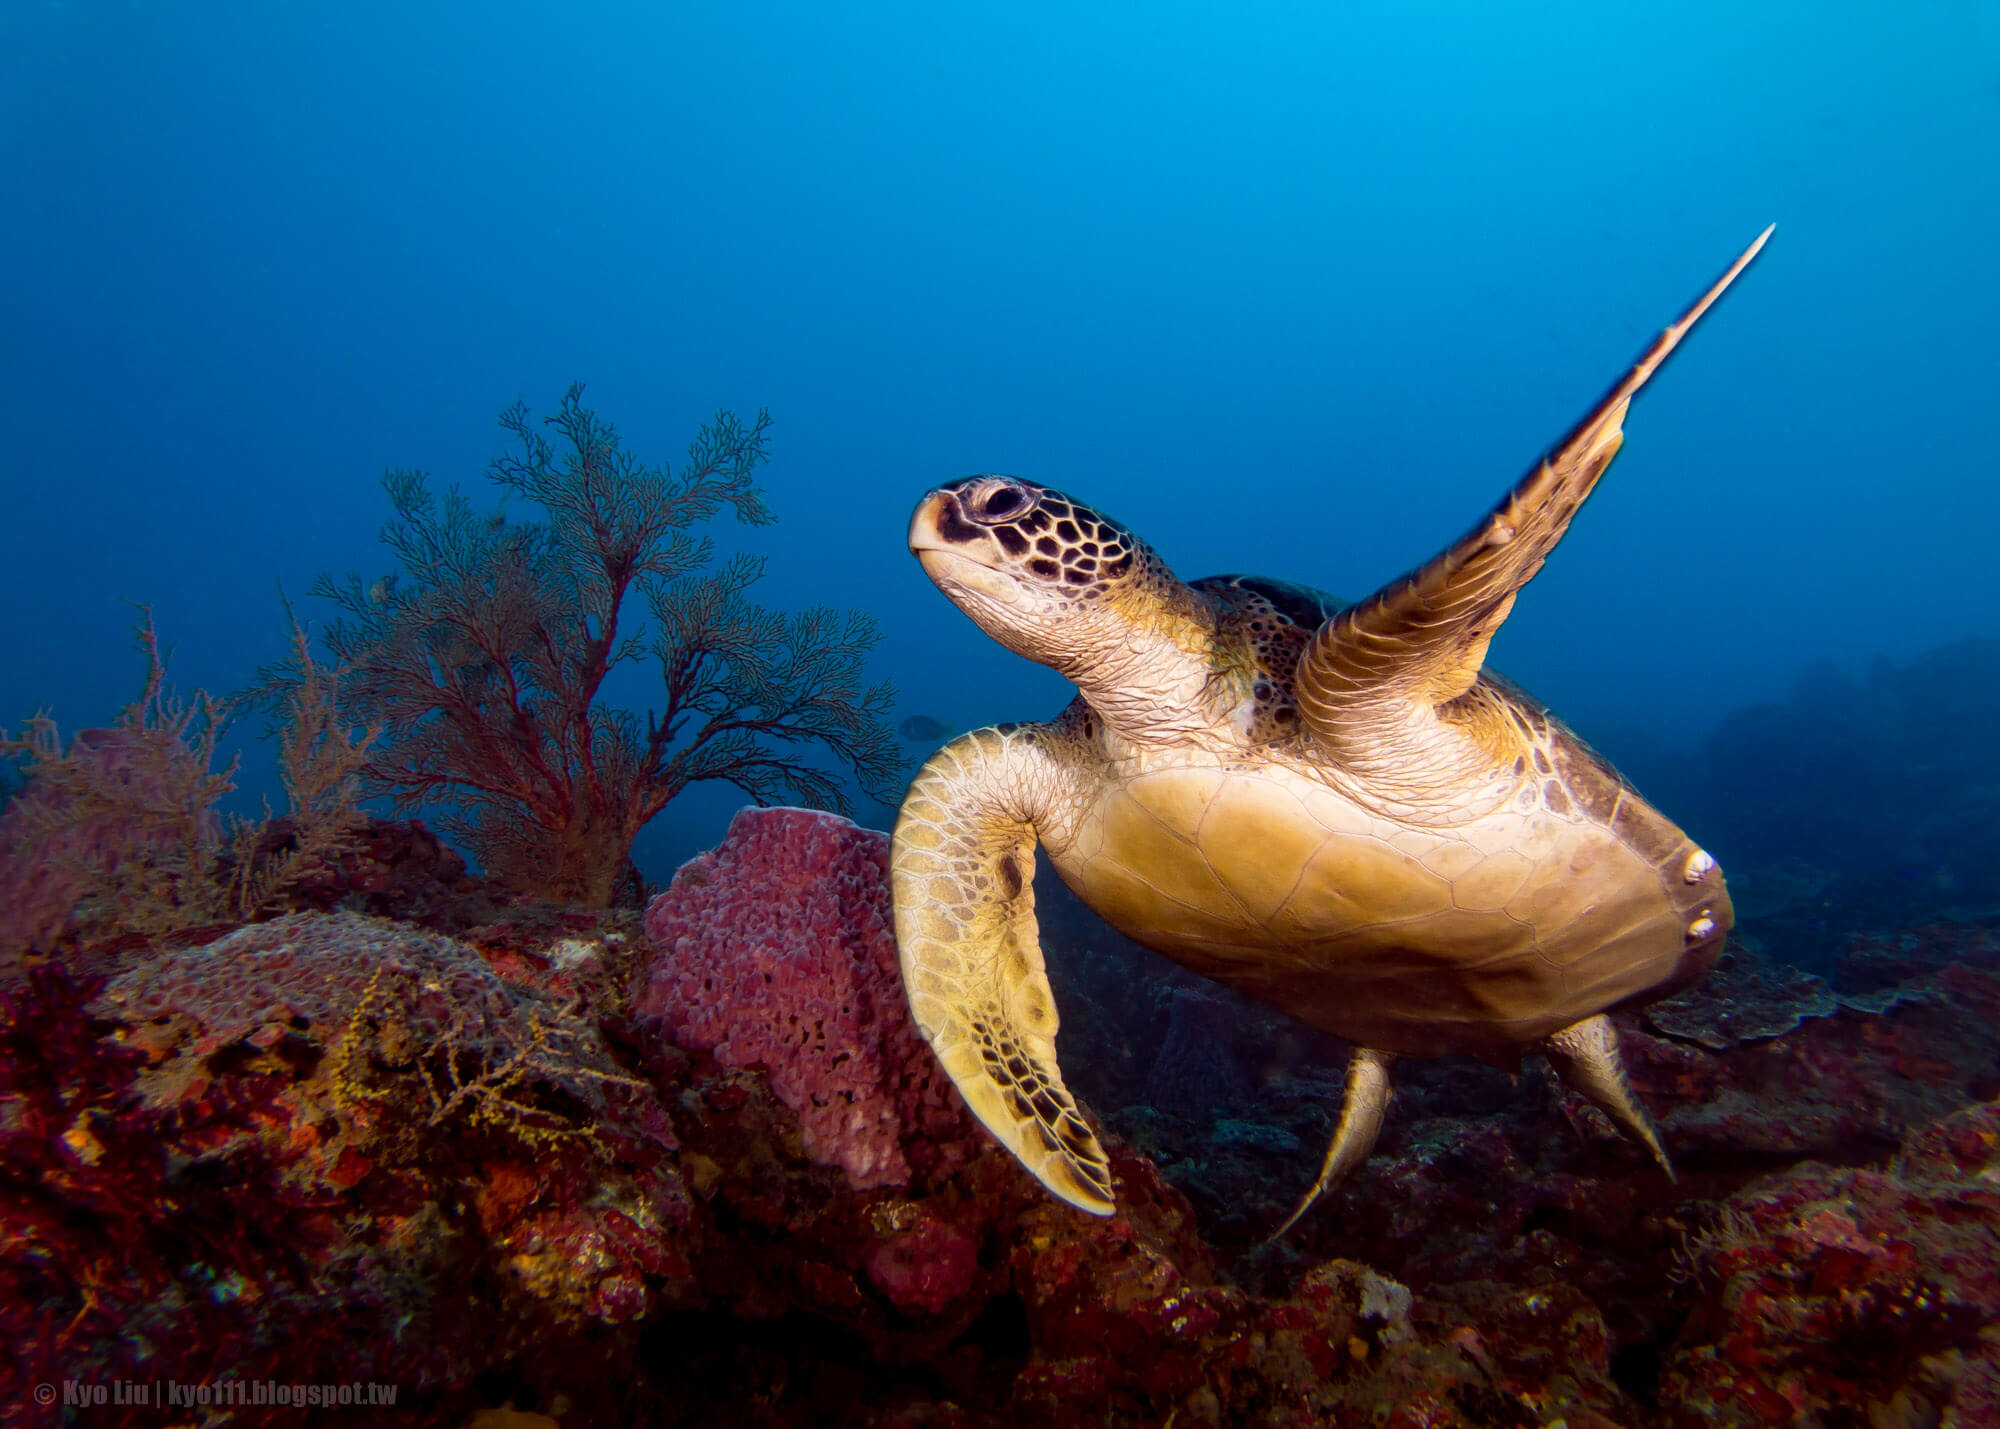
[[1062, 543]]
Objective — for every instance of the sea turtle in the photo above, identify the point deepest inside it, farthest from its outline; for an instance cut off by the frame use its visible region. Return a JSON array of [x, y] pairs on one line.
[[1329, 807]]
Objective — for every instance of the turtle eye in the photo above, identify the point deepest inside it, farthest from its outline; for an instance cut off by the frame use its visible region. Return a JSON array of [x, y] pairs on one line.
[[999, 502]]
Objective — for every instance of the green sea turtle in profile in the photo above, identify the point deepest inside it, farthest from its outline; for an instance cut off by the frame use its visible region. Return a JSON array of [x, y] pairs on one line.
[[1332, 808]]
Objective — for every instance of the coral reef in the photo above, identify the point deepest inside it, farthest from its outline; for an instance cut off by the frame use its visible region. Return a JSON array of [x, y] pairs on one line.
[[1825, 1294], [249, 1159], [538, 1165], [1747, 997]]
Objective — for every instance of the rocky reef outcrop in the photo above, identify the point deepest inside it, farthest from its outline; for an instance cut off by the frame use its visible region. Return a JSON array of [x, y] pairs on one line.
[[585, 1168]]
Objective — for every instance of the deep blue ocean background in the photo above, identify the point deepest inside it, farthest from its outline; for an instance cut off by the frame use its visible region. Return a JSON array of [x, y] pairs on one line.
[[1291, 289]]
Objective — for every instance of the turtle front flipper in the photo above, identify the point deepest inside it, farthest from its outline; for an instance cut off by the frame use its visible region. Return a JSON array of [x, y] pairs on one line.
[[1585, 1056], [962, 874], [1374, 676], [1361, 1114]]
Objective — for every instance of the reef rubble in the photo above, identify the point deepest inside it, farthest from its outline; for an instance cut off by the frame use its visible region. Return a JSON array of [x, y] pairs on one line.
[[698, 1167]]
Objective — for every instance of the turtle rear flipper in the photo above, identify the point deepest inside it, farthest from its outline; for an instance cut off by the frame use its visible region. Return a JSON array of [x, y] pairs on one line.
[[962, 870], [1375, 675], [1585, 1056], [1362, 1109]]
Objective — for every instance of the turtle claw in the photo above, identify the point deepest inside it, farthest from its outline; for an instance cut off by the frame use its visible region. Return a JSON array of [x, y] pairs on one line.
[[1361, 1113], [1585, 1056]]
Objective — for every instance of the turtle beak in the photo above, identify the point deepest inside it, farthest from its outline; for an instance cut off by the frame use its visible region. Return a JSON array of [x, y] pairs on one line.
[[939, 524], [924, 522], [938, 529], [927, 542], [956, 554]]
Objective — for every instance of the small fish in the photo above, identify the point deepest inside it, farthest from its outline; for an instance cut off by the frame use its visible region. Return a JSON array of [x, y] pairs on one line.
[[922, 729]]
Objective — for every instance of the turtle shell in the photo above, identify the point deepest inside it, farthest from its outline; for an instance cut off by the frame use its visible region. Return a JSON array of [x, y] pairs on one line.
[[1558, 893]]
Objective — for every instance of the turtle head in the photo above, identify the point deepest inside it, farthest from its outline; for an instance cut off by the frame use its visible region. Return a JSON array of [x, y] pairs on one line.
[[1046, 576]]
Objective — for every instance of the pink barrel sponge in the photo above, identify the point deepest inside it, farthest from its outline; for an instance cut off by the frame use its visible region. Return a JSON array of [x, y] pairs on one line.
[[776, 949]]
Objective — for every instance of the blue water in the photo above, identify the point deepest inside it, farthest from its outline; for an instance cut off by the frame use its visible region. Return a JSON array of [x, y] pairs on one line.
[[1291, 289]]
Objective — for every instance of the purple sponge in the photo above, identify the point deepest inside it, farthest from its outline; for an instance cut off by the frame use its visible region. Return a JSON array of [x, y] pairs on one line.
[[776, 949]]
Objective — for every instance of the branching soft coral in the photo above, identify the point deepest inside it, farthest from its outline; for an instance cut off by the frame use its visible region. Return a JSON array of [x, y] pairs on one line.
[[320, 761], [119, 827], [119, 831], [484, 656]]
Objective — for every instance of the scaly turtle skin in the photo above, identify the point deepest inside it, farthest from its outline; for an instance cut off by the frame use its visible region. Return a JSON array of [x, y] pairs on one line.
[[1331, 808]]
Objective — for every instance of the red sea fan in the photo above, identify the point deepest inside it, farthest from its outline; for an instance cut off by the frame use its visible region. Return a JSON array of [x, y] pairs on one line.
[[483, 659]]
